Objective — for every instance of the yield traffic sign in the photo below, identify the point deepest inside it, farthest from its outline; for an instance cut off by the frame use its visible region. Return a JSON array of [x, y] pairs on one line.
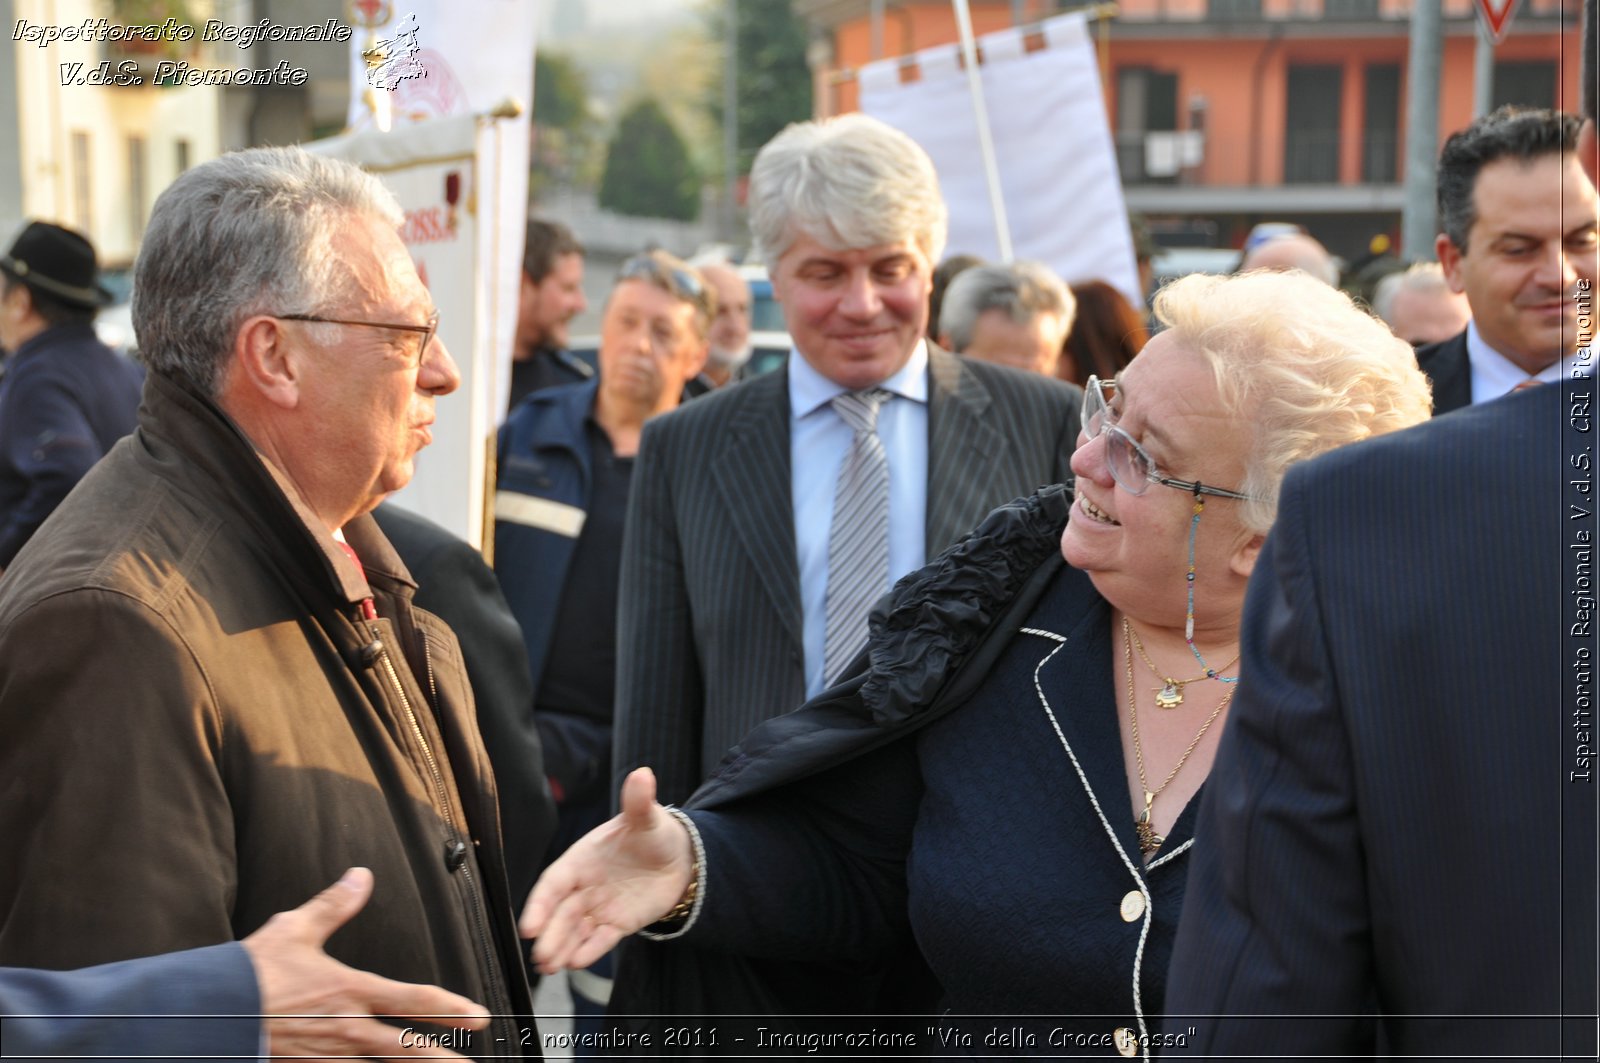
[[1497, 16]]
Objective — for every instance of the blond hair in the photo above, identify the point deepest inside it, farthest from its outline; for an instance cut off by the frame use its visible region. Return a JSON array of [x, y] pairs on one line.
[[1299, 363]]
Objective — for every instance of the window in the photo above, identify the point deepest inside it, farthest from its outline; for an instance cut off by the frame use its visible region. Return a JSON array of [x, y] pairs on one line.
[[1530, 84], [1311, 136], [1147, 102], [1380, 147], [1234, 10]]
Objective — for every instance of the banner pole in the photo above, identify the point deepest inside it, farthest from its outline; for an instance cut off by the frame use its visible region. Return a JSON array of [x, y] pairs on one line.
[[991, 171]]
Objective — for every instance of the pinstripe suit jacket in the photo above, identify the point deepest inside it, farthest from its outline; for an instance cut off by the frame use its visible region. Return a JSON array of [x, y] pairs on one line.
[[709, 632], [1402, 810]]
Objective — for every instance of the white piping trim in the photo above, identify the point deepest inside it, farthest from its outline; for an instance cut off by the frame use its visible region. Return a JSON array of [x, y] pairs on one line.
[[1043, 633], [1144, 891], [1158, 861]]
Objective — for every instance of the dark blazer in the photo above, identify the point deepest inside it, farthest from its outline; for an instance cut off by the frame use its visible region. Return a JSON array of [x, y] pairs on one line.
[[1402, 810], [1450, 372], [128, 1005], [710, 625], [454, 584]]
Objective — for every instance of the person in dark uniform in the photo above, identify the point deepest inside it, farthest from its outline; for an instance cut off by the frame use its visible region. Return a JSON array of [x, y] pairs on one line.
[[66, 397]]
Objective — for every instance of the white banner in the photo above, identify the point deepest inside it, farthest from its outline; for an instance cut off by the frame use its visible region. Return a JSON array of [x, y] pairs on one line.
[[1053, 148]]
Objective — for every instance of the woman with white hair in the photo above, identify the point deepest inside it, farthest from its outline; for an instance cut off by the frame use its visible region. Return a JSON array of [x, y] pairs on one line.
[[1009, 780]]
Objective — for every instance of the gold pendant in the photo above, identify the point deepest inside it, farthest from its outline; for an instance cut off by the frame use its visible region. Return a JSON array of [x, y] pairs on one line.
[[1170, 696], [1149, 840]]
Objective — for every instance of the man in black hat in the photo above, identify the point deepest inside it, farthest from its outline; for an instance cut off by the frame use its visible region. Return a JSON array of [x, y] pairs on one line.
[[66, 397]]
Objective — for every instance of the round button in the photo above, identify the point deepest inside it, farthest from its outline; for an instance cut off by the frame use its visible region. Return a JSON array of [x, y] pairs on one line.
[[1127, 1041], [1132, 906]]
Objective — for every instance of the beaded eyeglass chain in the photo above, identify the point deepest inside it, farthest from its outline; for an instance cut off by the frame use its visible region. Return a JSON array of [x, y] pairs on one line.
[[1188, 623]]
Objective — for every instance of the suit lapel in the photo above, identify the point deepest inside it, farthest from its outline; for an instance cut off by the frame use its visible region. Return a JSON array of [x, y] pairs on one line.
[[1450, 371], [752, 473], [965, 454]]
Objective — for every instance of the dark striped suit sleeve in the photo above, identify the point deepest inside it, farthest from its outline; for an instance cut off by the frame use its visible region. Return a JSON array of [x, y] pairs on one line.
[[660, 693], [1275, 921]]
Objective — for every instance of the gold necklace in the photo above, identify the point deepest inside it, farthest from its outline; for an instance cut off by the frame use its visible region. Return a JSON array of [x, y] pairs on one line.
[[1171, 695], [1149, 840]]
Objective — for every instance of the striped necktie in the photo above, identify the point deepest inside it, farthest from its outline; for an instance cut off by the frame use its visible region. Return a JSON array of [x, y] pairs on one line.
[[858, 538]]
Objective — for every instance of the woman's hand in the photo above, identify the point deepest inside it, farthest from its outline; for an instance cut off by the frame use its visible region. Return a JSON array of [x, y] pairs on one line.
[[620, 877]]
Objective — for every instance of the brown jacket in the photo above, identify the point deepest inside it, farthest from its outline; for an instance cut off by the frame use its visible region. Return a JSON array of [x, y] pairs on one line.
[[198, 729]]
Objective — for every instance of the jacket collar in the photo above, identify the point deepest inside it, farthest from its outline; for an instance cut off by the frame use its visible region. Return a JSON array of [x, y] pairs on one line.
[[69, 336], [177, 422]]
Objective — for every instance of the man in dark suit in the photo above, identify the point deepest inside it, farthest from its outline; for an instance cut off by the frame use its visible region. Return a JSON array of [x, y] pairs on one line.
[[1402, 814], [766, 519], [1518, 216]]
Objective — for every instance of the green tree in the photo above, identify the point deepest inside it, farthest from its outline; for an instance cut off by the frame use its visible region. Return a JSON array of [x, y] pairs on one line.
[[774, 80], [560, 92], [562, 122], [648, 169]]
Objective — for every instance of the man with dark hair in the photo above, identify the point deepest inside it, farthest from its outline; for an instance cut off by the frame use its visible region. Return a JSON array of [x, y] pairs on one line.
[[1401, 817], [551, 296], [1518, 219], [66, 397]]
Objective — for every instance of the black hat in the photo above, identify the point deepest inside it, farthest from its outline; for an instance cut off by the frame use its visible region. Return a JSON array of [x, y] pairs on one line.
[[58, 262]]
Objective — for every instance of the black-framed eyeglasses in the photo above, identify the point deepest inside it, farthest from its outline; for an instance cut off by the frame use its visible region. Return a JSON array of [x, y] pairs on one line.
[[1130, 464], [427, 332]]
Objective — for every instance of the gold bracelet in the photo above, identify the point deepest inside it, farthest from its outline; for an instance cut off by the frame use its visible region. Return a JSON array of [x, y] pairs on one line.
[[685, 905]]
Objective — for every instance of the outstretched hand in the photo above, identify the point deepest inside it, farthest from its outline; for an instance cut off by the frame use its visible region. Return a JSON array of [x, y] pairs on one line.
[[313, 1006], [620, 877]]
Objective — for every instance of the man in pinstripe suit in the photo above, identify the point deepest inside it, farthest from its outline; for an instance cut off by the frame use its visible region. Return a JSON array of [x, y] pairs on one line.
[[1402, 813], [733, 534]]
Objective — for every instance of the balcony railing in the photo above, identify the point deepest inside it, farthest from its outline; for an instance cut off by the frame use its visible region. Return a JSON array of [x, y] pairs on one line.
[[1231, 159]]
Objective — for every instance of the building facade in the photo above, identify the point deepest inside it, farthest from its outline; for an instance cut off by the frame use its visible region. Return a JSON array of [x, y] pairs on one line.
[[1227, 113]]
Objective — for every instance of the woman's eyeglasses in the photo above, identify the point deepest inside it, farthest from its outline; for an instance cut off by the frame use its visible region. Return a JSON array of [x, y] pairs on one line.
[[1131, 466]]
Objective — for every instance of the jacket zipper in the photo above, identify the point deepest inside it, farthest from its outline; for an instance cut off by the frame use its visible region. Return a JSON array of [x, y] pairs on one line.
[[500, 1006]]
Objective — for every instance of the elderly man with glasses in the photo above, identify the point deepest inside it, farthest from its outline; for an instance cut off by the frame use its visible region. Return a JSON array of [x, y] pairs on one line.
[[565, 467], [215, 689]]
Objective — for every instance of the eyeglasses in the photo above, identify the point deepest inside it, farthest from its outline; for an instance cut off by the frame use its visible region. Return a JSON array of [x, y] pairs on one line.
[[427, 332], [1131, 466], [677, 280]]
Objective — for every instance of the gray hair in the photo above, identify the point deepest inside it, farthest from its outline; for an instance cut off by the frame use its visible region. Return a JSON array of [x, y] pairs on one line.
[[1024, 290], [1423, 278], [1293, 251], [848, 182], [248, 233], [1303, 368], [1520, 133]]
